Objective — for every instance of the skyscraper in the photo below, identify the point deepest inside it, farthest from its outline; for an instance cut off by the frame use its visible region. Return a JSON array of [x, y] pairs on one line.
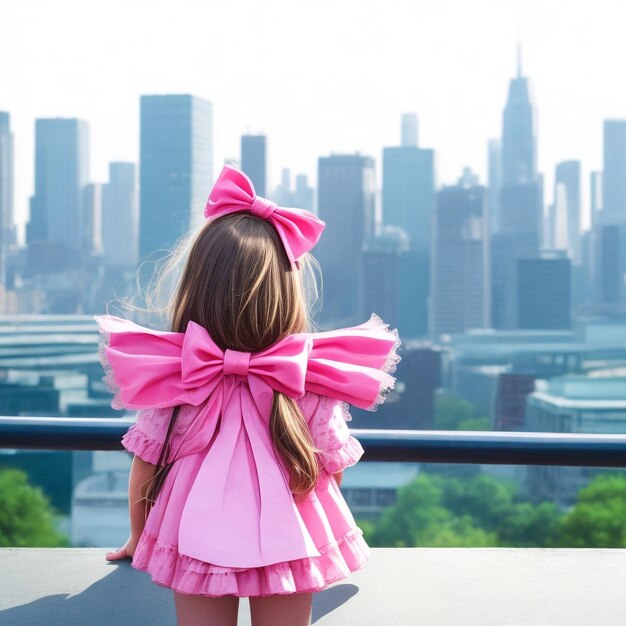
[[254, 161], [61, 173], [7, 227], [409, 130], [565, 212], [408, 200], [461, 282], [544, 291], [519, 140], [614, 174], [520, 212], [346, 201], [120, 216], [92, 220], [494, 167], [176, 168], [382, 262]]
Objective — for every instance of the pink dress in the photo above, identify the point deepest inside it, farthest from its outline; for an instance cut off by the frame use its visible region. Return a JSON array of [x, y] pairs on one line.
[[247, 559]]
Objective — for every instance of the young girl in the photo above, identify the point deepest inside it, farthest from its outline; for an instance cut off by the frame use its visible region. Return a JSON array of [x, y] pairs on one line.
[[241, 435]]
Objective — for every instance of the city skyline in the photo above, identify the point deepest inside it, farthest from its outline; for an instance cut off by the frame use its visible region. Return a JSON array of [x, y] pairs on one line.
[[574, 90]]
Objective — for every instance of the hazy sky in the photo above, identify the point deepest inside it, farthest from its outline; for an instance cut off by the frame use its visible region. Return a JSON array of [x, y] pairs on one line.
[[316, 76]]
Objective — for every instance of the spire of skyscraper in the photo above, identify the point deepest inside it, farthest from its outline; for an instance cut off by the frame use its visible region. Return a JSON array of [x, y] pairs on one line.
[[519, 160], [519, 59]]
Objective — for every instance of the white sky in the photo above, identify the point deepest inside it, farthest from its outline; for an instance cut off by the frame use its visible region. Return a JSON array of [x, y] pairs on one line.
[[316, 76]]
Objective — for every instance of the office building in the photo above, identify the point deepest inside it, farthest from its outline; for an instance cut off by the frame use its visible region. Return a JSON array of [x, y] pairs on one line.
[[409, 133], [176, 149], [120, 216], [61, 174], [614, 172], [92, 220], [408, 199], [460, 277], [7, 226], [254, 161], [382, 263], [346, 202], [544, 291], [565, 214], [494, 169]]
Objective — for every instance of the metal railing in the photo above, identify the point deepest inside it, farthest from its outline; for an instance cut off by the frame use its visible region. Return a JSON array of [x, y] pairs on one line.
[[429, 446]]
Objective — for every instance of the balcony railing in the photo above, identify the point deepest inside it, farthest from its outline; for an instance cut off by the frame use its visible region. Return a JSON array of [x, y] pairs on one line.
[[432, 446], [442, 586]]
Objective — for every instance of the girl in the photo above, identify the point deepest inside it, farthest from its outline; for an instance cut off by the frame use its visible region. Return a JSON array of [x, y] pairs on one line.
[[241, 439]]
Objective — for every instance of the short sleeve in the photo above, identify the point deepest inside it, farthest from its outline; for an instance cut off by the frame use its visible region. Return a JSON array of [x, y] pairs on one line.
[[146, 437], [327, 417]]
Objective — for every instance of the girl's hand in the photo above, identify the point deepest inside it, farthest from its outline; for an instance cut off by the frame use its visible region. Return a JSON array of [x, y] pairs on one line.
[[126, 551]]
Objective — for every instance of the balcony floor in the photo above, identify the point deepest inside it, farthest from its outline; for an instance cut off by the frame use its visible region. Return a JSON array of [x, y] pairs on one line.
[[412, 586]]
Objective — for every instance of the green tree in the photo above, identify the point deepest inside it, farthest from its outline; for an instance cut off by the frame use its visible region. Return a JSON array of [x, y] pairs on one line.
[[527, 526], [598, 519], [481, 511], [26, 516], [485, 499], [454, 413]]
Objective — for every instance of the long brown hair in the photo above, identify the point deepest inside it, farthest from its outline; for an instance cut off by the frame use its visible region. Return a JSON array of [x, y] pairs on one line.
[[238, 283]]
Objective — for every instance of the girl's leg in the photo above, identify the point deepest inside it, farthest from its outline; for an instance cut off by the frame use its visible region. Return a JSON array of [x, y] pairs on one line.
[[195, 610], [293, 609]]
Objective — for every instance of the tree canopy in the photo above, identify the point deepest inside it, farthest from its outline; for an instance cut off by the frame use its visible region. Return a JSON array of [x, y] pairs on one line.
[[26, 517]]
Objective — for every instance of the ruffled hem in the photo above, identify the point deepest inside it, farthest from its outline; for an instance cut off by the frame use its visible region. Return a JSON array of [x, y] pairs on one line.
[[334, 461], [184, 574], [136, 441], [390, 365]]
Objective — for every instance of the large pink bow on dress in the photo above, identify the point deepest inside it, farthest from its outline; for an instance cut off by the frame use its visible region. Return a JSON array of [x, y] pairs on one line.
[[298, 229], [240, 511]]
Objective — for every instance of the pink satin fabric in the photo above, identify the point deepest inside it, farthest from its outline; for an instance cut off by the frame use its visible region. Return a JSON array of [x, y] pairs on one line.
[[240, 511], [298, 229]]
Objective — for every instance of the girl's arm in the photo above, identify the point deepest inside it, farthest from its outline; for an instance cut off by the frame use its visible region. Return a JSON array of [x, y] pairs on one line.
[[140, 472], [338, 476]]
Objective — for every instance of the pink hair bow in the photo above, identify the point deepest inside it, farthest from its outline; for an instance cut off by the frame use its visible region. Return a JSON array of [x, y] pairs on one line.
[[298, 229]]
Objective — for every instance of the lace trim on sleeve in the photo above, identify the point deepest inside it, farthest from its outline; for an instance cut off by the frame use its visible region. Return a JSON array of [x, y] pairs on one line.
[[390, 365], [104, 339]]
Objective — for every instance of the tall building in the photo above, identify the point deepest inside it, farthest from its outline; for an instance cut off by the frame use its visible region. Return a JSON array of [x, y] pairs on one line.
[[519, 237], [92, 220], [519, 137], [544, 291], [408, 200], [254, 161], [304, 195], [614, 172], [460, 276], [409, 134], [120, 216], [301, 197], [520, 218], [61, 173], [612, 264], [346, 202], [494, 168], [7, 227], [565, 214], [176, 150], [595, 185], [382, 262]]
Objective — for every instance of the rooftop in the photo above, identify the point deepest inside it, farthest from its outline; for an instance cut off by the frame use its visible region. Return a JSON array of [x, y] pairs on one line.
[[401, 586]]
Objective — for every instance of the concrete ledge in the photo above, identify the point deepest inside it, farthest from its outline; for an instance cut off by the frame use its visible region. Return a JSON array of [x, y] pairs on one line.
[[425, 586]]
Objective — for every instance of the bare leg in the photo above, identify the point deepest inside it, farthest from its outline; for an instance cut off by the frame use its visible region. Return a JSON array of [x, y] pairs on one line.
[[196, 610], [293, 609]]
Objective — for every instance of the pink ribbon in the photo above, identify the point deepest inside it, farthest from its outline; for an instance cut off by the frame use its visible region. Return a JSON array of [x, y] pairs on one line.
[[298, 229]]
